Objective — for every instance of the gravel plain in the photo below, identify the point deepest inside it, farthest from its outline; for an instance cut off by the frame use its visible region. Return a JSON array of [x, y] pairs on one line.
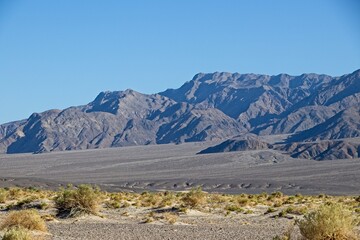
[[178, 168]]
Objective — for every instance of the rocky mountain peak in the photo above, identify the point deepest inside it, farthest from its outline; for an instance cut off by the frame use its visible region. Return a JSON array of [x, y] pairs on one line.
[[211, 106]]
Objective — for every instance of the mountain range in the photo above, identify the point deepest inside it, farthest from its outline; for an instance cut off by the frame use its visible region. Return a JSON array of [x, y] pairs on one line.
[[211, 107]]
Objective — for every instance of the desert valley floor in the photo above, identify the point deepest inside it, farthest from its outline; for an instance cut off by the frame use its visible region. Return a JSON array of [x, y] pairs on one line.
[[179, 167]]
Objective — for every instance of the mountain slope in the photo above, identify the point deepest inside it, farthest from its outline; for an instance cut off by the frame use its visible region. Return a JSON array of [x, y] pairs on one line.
[[116, 119], [322, 150], [213, 106], [345, 124], [272, 104], [239, 143]]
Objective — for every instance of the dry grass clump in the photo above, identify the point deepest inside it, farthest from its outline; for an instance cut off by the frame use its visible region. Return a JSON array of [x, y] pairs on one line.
[[113, 204], [167, 199], [243, 201], [234, 208], [167, 216], [194, 198], [72, 202], [216, 198], [147, 199], [17, 233], [28, 219], [329, 221], [270, 210], [3, 195], [170, 217]]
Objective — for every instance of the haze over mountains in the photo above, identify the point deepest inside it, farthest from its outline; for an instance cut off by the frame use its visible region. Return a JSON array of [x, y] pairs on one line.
[[210, 107]]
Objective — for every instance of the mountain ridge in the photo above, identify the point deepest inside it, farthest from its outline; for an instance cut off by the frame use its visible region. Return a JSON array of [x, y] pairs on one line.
[[210, 107]]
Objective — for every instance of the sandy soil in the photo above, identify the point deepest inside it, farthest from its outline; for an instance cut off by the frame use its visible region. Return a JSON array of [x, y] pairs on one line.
[[100, 229], [114, 225]]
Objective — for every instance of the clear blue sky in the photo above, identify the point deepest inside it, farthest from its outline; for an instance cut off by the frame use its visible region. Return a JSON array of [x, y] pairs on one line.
[[56, 54]]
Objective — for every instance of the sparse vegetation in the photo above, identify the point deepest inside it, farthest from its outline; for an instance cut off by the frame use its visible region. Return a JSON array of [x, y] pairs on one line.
[[75, 201], [329, 221], [194, 198], [287, 234], [234, 208], [170, 217], [28, 219], [3, 195], [270, 210], [173, 207], [17, 233]]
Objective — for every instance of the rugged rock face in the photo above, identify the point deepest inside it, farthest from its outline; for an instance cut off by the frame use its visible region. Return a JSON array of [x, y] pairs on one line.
[[272, 104], [345, 124], [9, 133], [239, 143], [323, 150], [118, 119], [214, 106]]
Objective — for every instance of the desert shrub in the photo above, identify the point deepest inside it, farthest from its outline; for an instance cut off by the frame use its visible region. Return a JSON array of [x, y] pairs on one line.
[[125, 205], [278, 203], [194, 198], [299, 195], [321, 195], [149, 219], [113, 204], [249, 211], [270, 210], [22, 204], [170, 217], [329, 221], [243, 201], [263, 195], [15, 193], [3, 195], [282, 213], [216, 199], [72, 202], [296, 210], [17, 233], [277, 194], [28, 219], [116, 196], [168, 199], [234, 208], [251, 196], [290, 200], [149, 200]]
